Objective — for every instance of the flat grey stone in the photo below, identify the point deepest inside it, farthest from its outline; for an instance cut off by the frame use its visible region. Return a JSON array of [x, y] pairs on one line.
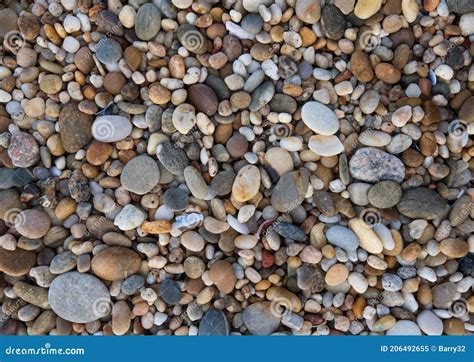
[[79, 298]]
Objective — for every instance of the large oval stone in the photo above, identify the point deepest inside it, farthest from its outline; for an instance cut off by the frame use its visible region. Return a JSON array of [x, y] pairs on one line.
[[203, 98], [148, 21], [319, 118], [79, 298]]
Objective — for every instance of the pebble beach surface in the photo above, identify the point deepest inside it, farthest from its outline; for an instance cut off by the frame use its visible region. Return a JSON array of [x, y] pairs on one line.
[[236, 167]]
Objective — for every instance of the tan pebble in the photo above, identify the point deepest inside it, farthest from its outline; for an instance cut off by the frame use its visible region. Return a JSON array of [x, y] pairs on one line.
[[246, 183], [191, 240], [336, 274], [66, 207], [384, 323], [156, 227], [369, 240], [454, 248], [222, 275], [121, 318], [387, 73], [205, 295]]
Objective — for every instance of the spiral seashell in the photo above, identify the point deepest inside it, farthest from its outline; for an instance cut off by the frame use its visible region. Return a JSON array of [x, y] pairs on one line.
[[14, 41], [102, 307], [368, 41], [280, 306], [13, 217], [458, 308], [192, 39], [371, 217], [281, 131], [457, 129]]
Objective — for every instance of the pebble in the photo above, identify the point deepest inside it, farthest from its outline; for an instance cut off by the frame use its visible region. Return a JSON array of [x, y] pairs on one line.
[[261, 96], [422, 203], [290, 190], [192, 241], [176, 199], [129, 218], [364, 9], [373, 165], [23, 150], [222, 275], [172, 158], [74, 128], [16, 262], [32, 223], [115, 263], [368, 239], [140, 175], [429, 323], [260, 320], [214, 323], [385, 194], [192, 39], [246, 183], [170, 291], [147, 22], [308, 11], [325, 145], [319, 118], [342, 237], [404, 328], [79, 298], [203, 98], [108, 51], [369, 101], [289, 231], [337, 274]]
